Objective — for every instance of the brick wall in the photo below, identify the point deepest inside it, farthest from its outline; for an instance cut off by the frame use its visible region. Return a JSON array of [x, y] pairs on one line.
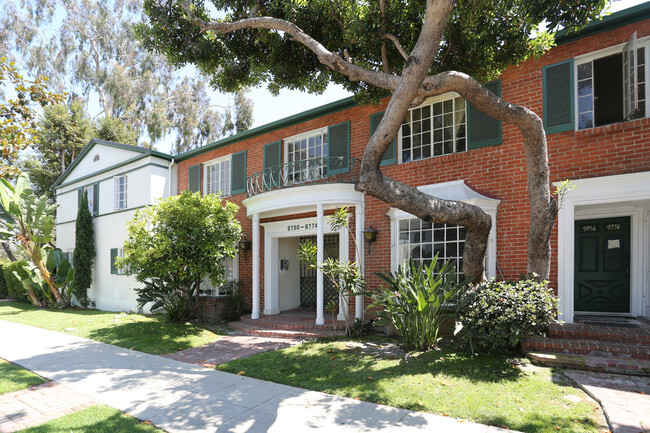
[[497, 171]]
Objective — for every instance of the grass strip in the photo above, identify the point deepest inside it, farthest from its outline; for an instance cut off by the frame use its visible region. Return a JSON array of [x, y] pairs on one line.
[[14, 378], [95, 419], [150, 334], [492, 390]]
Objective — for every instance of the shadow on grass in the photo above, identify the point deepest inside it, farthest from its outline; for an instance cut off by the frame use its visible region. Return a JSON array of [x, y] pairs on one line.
[[155, 336]]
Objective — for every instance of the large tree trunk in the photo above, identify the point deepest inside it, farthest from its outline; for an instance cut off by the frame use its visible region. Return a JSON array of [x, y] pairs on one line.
[[412, 88]]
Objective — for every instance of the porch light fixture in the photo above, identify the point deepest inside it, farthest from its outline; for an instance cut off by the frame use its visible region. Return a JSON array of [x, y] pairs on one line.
[[370, 235], [244, 244]]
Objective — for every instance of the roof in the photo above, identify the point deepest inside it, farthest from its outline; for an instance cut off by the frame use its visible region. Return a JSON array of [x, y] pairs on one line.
[[304, 116], [608, 22], [95, 141]]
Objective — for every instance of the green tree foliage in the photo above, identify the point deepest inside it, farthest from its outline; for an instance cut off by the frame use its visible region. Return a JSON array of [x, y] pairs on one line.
[[18, 116], [482, 37], [14, 273], [27, 221], [112, 129], [84, 252], [93, 53], [62, 133], [175, 244], [4, 293]]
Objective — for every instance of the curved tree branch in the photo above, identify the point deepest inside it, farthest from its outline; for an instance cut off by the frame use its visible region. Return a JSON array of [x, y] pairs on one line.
[[399, 46]]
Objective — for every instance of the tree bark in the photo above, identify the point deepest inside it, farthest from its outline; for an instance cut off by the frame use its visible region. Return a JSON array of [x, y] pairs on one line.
[[10, 255]]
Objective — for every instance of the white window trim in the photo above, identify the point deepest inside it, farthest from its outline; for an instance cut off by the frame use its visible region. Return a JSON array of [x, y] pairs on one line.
[[205, 174], [429, 101], [116, 203], [313, 132], [489, 205], [120, 270], [643, 42]]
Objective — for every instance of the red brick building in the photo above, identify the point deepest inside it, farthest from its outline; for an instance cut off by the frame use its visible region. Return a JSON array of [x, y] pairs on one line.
[[287, 176], [591, 91]]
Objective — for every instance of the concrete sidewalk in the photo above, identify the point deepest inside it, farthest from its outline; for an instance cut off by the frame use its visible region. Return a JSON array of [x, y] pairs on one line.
[[180, 397]]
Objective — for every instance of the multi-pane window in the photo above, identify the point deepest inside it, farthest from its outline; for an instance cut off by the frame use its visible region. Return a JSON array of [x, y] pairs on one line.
[[421, 241], [600, 90], [120, 184], [210, 289], [89, 190], [306, 156], [217, 177], [434, 129]]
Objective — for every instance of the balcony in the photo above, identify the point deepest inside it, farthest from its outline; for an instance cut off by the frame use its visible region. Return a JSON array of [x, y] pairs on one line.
[[307, 172]]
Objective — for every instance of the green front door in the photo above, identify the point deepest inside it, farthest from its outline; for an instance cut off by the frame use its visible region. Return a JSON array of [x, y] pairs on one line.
[[602, 265]]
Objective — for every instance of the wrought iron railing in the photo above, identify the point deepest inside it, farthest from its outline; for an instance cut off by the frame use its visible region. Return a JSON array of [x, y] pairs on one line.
[[309, 171]]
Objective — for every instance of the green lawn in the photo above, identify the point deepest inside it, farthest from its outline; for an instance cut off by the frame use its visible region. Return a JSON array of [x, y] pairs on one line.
[[95, 419], [150, 334], [15, 378], [491, 390]]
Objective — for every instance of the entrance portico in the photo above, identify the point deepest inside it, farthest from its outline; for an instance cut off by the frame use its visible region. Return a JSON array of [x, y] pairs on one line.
[[298, 200]]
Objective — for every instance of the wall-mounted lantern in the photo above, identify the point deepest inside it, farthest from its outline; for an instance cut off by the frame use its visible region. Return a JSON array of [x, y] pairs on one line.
[[370, 235], [244, 244]]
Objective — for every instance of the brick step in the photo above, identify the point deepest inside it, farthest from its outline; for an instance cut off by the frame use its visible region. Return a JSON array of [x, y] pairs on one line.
[[578, 331], [292, 325], [263, 331], [586, 347], [611, 364]]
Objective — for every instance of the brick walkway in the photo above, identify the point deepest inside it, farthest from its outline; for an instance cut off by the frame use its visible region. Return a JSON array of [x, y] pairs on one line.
[[36, 405], [624, 399], [230, 347]]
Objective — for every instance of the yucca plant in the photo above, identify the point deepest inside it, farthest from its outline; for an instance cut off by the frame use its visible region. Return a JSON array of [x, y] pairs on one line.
[[415, 301]]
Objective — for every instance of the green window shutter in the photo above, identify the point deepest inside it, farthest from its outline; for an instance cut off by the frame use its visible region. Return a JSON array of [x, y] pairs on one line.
[[483, 130], [389, 155], [113, 257], [194, 178], [338, 141], [79, 192], [238, 173], [557, 82], [272, 161], [96, 199]]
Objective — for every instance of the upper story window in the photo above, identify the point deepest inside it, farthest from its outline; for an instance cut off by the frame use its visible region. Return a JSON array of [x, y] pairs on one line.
[[120, 189], [435, 128], [611, 86], [217, 176], [92, 192], [306, 156]]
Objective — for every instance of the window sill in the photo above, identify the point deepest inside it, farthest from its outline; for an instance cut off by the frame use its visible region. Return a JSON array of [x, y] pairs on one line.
[[611, 128]]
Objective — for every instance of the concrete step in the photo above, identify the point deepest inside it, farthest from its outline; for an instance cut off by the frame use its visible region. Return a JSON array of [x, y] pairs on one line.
[[579, 331], [586, 347], [264, 331], [609, 364]]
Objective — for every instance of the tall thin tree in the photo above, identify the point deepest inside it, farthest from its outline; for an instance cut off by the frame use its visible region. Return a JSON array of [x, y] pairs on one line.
[[84, 252]]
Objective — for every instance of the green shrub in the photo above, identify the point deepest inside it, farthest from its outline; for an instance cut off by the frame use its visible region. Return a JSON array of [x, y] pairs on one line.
[[15, 288], [416, 302], [165, 298], [497, 315], [4, 293], [235, 303]]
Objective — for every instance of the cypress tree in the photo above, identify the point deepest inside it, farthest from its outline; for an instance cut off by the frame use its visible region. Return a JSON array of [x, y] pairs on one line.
[[84, 252]]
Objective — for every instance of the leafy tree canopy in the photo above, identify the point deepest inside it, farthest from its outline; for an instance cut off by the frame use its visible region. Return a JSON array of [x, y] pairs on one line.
[[18, 116], [89, 49], [482, 37]]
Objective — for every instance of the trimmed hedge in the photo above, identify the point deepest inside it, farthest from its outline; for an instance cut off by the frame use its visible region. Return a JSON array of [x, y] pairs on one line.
[[15, 288], [498, 315], [4, 293]]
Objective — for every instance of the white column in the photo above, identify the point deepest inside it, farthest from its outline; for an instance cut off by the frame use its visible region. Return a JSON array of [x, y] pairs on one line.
[[359, 221], [320, 244], [256, 267]]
